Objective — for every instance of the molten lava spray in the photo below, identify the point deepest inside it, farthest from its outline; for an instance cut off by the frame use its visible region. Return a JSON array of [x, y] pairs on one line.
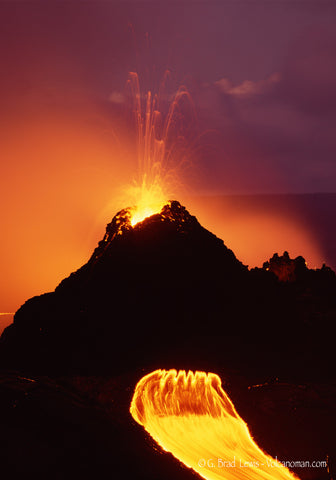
[[190, 415], [159, 152]]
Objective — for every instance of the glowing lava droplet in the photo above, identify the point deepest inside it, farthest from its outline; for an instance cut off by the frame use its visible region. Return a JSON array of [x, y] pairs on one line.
[[190, 415]]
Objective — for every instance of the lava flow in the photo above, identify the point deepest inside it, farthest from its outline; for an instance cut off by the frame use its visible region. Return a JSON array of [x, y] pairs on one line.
[[190, 415]]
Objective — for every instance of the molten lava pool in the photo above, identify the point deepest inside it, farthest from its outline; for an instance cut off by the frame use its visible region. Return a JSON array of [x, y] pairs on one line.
[[190, 415]]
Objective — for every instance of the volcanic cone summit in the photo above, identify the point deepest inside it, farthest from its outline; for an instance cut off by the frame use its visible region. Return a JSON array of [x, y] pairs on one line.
[[161, 276], [172, 218]]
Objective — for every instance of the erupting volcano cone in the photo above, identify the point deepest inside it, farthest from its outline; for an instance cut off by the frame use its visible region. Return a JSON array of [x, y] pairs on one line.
[[142, 284]]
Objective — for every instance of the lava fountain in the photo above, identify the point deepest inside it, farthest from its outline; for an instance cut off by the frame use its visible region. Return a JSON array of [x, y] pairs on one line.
[[190, 416], [160, 140]]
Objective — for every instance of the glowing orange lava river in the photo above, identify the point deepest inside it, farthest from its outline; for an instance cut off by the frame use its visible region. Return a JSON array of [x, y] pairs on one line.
[[190, 415]]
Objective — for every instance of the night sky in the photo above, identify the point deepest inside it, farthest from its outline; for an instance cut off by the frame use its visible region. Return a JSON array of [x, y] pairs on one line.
[[262, 76]]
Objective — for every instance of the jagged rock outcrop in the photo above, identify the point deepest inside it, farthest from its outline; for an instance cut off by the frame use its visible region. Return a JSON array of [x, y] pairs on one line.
[[292, 270]]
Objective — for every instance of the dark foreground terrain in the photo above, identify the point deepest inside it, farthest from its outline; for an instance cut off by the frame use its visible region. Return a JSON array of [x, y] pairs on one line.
[[166, 294], [80, 427]]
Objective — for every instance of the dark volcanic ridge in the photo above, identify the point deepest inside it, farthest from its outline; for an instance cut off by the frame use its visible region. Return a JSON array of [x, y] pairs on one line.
[[169, 292]]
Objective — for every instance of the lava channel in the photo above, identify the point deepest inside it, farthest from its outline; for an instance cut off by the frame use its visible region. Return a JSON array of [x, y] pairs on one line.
[[190, 415]]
